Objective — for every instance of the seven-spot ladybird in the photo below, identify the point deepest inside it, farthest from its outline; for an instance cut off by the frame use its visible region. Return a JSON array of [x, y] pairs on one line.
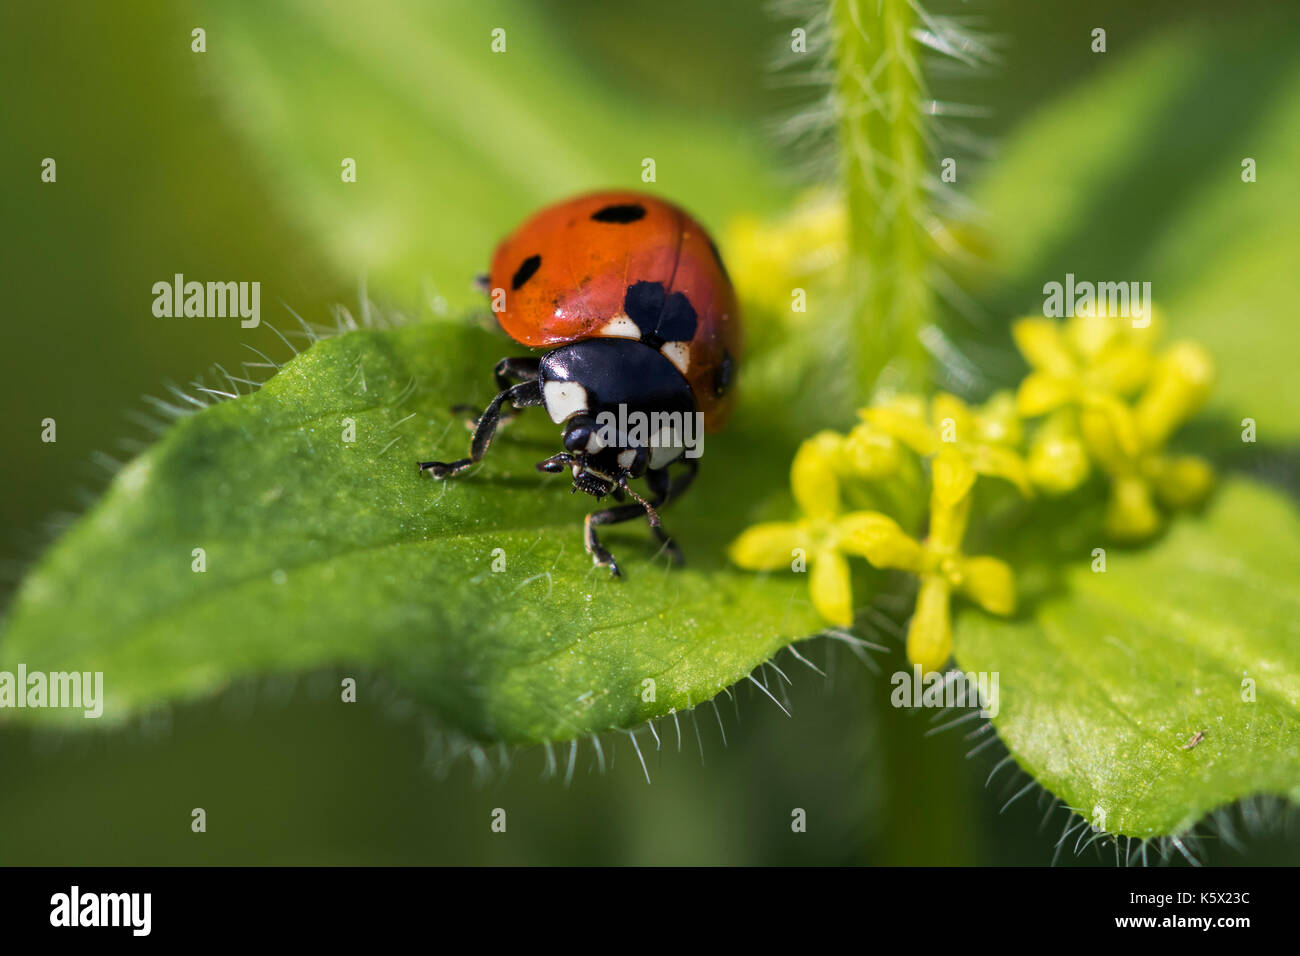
[[632, 300]]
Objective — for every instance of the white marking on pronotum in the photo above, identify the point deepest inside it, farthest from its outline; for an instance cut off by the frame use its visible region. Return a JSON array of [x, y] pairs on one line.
[[679, 353], [620, 326], [661, 454], [563, 400], [625, 458]]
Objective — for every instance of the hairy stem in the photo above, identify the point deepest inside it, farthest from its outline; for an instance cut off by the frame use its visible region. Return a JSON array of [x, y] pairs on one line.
[[879, 95]]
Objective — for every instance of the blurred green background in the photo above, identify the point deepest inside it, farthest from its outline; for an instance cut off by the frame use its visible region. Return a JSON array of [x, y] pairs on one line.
[[224, 165]]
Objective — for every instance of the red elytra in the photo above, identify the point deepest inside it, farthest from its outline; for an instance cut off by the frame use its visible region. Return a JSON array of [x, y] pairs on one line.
[[565, 275]]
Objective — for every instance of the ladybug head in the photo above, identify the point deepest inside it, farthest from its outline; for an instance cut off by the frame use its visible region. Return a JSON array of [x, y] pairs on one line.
[[598, 469], [612, 396]]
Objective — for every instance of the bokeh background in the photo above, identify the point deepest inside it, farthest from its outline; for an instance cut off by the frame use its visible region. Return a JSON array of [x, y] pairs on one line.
[[224, 165]]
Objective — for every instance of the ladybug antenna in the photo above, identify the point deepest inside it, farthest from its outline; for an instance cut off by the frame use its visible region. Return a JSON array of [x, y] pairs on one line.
[[650, 512]]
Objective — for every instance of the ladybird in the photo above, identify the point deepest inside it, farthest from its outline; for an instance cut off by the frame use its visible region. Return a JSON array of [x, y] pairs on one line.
[[628, 300]]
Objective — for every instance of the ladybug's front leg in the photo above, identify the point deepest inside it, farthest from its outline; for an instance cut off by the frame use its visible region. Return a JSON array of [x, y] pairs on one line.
[[523, 395]]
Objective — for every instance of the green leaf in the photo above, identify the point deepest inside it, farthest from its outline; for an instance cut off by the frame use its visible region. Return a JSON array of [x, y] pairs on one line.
[[1107, 677], [324, 552]]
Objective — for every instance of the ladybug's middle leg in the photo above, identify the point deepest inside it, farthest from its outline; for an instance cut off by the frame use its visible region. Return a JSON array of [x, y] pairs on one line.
[[523, 395], [507, 372]]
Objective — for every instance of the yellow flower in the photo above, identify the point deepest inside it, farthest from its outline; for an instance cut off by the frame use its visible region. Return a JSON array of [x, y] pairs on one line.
[[1088, 359], [938, 562], [819, 540], [1058, 457], [1141, 472], [984, 437], [1089, 364], [770, 259], [867, 453]]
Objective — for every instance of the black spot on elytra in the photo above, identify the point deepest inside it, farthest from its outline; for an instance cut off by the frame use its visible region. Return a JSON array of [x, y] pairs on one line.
[[660, 317], [527, 269], [722, 377], [677, 322], [622, 214], [643, 302]]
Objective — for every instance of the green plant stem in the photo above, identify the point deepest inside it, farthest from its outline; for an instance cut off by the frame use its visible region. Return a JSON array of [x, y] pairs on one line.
[[878, 96]]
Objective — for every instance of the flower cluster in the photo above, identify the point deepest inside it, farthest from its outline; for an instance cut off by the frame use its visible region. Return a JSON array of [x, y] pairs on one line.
[[1111, 400], [806, 247], [1098, 396]]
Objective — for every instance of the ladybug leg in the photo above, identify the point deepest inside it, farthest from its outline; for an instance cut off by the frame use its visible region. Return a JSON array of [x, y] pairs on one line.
[[600, 555], [664, 490], [658, 483], [511, 371], [556, 463], [677, 487], [507, 372], [523, 395]]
